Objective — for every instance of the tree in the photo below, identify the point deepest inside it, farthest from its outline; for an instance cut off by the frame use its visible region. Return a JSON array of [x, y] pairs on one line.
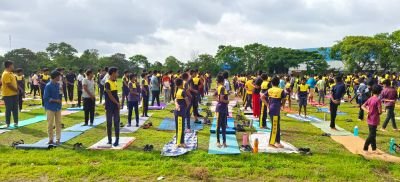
[[22, 58], [172, 64], [255, 57], [157, 66], [118, 60], [89, 59], [63, 55], [141, 61], [233, 56]]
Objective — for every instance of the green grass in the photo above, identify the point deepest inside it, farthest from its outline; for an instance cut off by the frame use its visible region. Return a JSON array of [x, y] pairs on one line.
[[330, 161]]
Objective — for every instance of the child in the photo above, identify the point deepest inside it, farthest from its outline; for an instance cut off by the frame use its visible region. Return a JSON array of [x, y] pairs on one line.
[[88, 95], [222, 110], [52, 104], [302, 92], [145, 94], [373, 107], [181, 102], [133, 99], [276, 98], [112, 105], [21, 86]]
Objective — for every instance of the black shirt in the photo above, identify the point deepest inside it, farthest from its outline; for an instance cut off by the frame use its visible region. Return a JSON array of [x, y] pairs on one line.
[[71, 77]]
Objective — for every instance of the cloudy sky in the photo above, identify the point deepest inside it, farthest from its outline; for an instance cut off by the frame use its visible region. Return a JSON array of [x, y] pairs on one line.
[[185, 28]]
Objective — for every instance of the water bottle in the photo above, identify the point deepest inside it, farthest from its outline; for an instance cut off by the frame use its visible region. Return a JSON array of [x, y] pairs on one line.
[[391, 150], [245, 139], [255, 149], [355, 131]]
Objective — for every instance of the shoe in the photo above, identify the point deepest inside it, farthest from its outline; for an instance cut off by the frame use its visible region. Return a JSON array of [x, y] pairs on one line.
[[150, 123], [50, 142], [115, 144], [137, 125], [16, 125], [85, 124]]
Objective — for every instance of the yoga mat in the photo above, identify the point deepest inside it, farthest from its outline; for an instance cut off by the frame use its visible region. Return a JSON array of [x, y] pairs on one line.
[[231, 142], [263, 144], [68, 112], [169, 124], [124, 142], [75, 109], [251, 117], [65, 136], [156, 107], [297, 117], [22, 110], [356, 144], [133, 127], [25, 122], [256, 126], [170, 149], [229, 128], [324, 126], [79, 127], [326, 110], [3, 131]]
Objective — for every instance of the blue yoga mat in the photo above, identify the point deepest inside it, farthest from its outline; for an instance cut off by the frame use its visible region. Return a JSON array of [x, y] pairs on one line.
[[65, 136], [169, 124], [26, 122], [229, 128], [326, 110], [233, 146], [75, 109], [78, 127], [256, 126]]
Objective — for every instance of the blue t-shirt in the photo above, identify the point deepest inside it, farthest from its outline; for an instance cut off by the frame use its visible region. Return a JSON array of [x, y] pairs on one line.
[[52, 91], [155, 85], [311, 82]]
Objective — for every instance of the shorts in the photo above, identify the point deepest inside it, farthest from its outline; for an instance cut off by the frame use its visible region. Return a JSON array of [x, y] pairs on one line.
[[302, 101]]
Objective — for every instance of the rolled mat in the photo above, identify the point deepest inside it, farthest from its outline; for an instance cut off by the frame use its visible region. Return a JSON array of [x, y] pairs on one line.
[[170, 149], [229, 129], [124, 142], [231, 142], [356, 144], [34, 146], [169, 124], [263, 144]]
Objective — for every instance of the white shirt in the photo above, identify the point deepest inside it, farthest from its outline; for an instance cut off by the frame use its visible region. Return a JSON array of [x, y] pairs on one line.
[[105, 79], [80, 77], [90, 87], [226, 85]]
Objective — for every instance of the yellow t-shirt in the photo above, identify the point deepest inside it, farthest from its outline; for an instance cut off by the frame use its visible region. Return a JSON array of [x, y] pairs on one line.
[[7, 78], [249, 87]]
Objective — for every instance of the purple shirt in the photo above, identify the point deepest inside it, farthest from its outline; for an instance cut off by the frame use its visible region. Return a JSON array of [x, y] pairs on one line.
[[373, 104], [275, 96], [390, 94]]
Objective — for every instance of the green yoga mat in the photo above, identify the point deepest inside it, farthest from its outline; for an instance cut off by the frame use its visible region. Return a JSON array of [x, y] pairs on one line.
[[233, 146], [25, 122], [324, 126]]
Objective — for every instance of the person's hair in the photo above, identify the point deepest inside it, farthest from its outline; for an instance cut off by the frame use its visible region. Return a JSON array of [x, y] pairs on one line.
[[275, 81], [8, 63], [60, 69], [19, 70], [185, 76], [264, 76], [338, 78], [220, 78], [259, 72], [192, 72], [143, 75], [376, 89], [88, 72], [132, 75], [320, 77], [81, 70], [45, 69], [106, 69], [126, 71], [54, 74], [386, 83], [303, 79], [225, 74], [178, 82], [112, 70]]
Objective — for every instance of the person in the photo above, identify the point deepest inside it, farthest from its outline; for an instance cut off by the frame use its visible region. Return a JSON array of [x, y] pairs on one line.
[[302, 92], [101, 85], [166, 81], [338, 91], [288, 90], [79, 86], [155, 88], [112, 105], [44, 79], [389, 97], [35, 82], [374, 109], [52, 104], [264, 107], [249, 91], [145, 95], [181, 102], [21, 86], [193, 85], [363, 93], [89, 98], [61, 83], [70, 79], [188, 94], [10, 92], [256, 95], [222, 111], [276, 98], [133, 99], [321, 90], [125, 88], [311, 83]]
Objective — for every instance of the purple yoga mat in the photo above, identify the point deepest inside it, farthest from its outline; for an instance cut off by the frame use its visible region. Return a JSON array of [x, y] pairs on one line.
[[156, 107]]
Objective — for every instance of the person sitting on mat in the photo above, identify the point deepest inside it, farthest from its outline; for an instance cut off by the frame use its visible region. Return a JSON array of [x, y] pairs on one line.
[[181, 103], [264, 105], [302, 93], [276, 98], [52, 104], [133, 99], [222, 111], [373, 108], [89, 99], [338, 91], [112, 105]]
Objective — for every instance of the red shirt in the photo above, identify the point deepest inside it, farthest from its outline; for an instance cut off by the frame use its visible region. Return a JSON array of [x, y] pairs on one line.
[[389, 93], [166, 78]]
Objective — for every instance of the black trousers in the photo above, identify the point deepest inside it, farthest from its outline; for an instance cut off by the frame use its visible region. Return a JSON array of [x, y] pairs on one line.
[[389, 116], [11, 103], [89, 107], [145, 104], [20, 101], [180, 126], [101, 94], [188, 114], [70, 89], [155, 95], [263, 115], [79, 98], [42, 93], [249, 98], [221, 125], [133, 105], [65, 92], [371, 140], [360, 112], [172, 92], [35, 89], [113, 117], [195, 104], [333, 110]]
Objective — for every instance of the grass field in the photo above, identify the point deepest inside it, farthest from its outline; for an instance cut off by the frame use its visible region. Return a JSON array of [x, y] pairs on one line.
[[330, 161]]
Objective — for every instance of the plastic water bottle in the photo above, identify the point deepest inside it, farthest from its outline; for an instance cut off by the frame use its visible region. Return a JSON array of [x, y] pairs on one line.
[[255, 149], [245, 139], [355, 131], [391, 150]]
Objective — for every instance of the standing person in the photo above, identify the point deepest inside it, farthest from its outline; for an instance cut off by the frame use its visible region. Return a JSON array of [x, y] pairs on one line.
[[374, 109], [275, 96], [21, 86], [222, 110], [249, 91], [89, 98], [264, 103], [112, 105], [155, 88], [79, 86], [133, 99], [70, 78], [52, 105], [125, 88], [30, 84], [194, 83], [145, 94], [256, 95], [35, 81], [172, 88], [389, 97], [181, 102], [101, 85], [288, 90], [166, 81], [302, 92], [338, 91], [63, 83], [363, 94], [321, 90], [311, 83], [44, 79], [10, 92], [188, 94]]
